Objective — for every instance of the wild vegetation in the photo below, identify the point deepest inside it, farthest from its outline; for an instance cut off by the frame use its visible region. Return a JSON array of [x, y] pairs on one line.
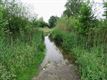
[[79, 33], [21, 43], [52, 21]]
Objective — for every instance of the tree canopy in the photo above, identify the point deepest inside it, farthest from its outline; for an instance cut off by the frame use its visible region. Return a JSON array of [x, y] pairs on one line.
[[72, 7], [52, 21]]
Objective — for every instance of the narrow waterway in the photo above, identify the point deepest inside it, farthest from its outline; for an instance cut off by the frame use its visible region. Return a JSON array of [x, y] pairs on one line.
[[54, 66]]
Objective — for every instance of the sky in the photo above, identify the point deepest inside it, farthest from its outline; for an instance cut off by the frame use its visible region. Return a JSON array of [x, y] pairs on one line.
[[47, 8]]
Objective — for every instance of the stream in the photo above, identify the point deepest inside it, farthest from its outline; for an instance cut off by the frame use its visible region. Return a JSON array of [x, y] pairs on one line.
[[55, 66]]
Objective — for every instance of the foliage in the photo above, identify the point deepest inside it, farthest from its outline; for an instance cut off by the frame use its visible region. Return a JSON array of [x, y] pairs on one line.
[[86, 19], [91, 63], [91, 60], [21, 44], [72, 7], [68, 23], [58, 38], [84, 37], [105, 12], [52, 21], [39, 23], [20, 57]]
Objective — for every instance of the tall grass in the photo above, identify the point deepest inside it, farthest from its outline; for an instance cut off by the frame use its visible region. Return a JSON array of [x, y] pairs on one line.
[[20, 58], [90, 51]]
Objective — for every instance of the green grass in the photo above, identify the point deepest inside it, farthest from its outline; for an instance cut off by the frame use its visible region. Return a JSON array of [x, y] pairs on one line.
[[91, 61], [20, 59], [33, 69], [46, 30]]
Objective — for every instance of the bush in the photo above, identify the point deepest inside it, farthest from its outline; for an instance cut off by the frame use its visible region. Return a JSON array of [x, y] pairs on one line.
[[57, 37], [69, 24]]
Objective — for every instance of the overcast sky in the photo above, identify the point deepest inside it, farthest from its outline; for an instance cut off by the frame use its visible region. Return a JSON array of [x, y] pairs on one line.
[[47, 8]]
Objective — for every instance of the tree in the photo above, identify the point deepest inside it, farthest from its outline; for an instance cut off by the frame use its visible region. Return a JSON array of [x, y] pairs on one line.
[[86, 18], [39, 23], [2, 20], [15, 16], [52, 21], [105, 12], [72, 7]]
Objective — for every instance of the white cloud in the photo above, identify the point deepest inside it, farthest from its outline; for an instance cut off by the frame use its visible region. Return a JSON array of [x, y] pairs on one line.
[[46, 8]]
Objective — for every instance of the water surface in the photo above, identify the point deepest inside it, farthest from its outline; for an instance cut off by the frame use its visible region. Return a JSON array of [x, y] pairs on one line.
[[54, 66]]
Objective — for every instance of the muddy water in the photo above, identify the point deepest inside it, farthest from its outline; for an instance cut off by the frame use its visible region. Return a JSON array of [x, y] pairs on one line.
[[54, 66]]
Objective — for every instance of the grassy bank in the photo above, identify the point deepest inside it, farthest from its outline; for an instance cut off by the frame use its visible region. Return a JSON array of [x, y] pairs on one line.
[[20, 59], [91, 60], [21, 43], [46, 30]]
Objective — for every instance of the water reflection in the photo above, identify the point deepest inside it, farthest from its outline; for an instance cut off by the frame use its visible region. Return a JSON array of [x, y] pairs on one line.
[[53, 54], [54, 66]]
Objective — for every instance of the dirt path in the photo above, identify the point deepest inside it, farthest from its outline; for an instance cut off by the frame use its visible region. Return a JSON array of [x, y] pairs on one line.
[[54, 66]]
